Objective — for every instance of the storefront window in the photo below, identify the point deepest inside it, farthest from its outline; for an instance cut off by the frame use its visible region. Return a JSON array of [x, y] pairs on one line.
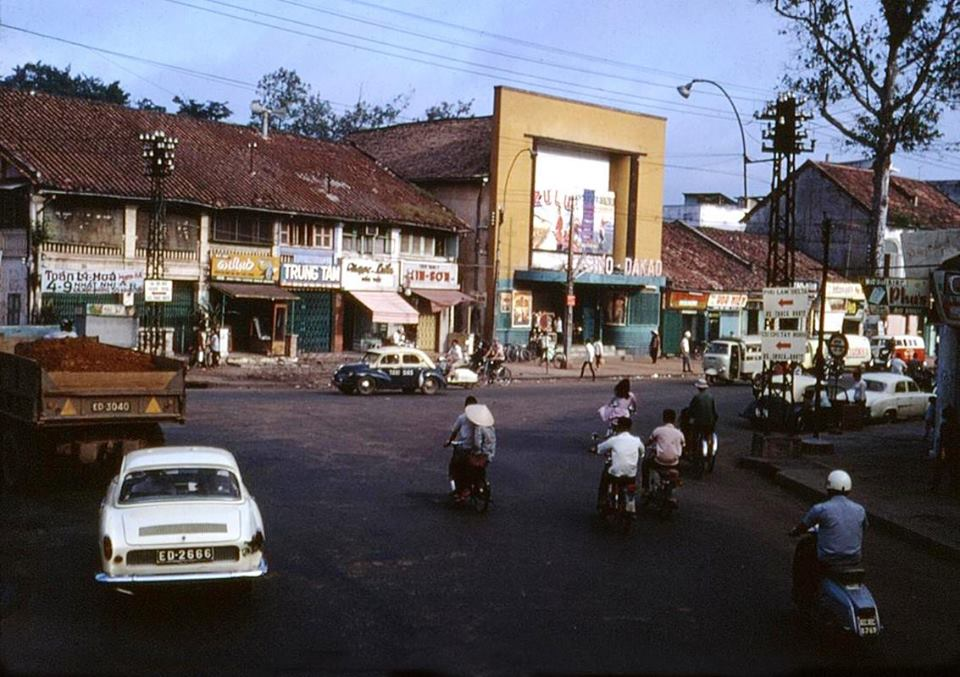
[[243, 228], [307, 235], [84, 222], [367, 240], [182, 230]]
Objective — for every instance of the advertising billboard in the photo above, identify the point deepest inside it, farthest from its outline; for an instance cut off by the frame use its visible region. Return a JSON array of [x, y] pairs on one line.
[[593, 220]]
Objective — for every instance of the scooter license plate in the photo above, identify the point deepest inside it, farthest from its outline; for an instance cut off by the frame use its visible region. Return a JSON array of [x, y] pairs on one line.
[[868, 626]]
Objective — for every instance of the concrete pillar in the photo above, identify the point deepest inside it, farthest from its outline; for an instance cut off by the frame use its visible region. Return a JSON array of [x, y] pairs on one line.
[[129, 232], [203, 288]]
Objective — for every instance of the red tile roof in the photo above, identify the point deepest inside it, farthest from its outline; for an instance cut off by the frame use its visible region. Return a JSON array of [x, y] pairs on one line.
[[913, 204], [454, 149], [710, 259], [79, 146]]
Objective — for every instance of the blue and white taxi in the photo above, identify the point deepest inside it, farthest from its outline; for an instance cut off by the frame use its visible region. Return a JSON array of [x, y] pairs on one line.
[[178, 514], [390, 368]]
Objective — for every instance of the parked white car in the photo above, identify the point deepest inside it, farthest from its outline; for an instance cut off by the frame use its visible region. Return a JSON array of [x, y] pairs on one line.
[[893, 396], [176, 514]]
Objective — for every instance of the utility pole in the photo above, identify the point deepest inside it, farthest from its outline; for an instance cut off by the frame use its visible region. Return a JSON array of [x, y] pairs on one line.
[[568, 329], [158, 153], [820, 360]]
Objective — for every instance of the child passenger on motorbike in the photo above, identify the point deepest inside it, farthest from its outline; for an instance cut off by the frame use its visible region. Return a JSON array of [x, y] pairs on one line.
[[625, 450]]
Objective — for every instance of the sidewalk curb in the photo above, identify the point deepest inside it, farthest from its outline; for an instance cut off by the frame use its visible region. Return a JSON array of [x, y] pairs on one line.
[[772, 472]]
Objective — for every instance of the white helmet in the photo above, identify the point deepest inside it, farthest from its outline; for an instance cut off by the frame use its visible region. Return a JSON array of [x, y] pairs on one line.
[[840, 481]]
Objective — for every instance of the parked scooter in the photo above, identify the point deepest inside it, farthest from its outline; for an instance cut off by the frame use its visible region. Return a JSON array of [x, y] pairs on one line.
[[844, 602], [457, 376]]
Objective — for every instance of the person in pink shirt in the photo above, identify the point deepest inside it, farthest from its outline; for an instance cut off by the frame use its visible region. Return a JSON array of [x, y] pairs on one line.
[[664, 448]]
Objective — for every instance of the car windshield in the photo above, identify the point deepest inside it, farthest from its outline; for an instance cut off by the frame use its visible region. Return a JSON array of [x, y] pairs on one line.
[[718, 348], [370, 357], [875, 386], [178, 483]]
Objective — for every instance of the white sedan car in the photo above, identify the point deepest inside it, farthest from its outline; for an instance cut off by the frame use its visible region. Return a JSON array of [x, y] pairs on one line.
[[177, 514], [893, 396]]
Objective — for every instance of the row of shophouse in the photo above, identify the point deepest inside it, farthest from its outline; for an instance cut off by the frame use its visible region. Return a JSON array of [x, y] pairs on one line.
[[444, 226]]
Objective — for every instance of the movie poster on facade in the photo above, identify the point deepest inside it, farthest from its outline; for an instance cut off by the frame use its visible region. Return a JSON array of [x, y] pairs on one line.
[[522, 308], [593, 220]]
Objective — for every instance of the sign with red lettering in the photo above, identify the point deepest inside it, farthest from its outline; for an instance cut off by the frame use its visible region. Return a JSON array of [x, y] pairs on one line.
[[429, 275]]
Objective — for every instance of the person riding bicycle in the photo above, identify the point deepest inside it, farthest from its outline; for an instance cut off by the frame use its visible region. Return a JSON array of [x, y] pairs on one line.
[[625, 451], [462, 433], [483, 448], [665, 447], [838, 541], [494, 357], [623, 404]]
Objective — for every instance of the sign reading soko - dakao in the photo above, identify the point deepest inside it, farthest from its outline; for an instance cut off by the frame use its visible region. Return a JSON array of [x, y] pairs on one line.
[[68, 277], [783, 346], [244, 267]]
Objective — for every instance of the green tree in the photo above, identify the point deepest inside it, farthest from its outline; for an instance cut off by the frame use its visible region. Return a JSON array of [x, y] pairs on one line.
[[304, 113], [895, 68], [149, 105], [41, 77], [446, 110], [211, 110]]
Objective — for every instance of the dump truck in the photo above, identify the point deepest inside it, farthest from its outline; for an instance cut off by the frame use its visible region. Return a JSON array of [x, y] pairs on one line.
[[74, 401]]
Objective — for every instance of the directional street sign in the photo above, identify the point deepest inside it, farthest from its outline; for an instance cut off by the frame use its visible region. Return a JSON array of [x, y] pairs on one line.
[[158, 291], [785, 302], [783, 346]]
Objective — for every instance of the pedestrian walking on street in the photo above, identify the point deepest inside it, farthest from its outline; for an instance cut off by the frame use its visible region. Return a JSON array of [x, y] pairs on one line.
[[598, 353], [685, 352], [654, 345], [588, 360]]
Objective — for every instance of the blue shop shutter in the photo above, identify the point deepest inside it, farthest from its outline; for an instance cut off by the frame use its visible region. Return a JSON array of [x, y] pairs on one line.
[[645, 308]]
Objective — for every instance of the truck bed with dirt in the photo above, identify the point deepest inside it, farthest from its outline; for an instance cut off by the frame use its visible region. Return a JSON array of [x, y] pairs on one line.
[[69, 400]]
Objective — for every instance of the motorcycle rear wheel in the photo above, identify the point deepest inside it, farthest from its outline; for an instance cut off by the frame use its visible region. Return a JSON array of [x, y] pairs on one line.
[[480, 496]]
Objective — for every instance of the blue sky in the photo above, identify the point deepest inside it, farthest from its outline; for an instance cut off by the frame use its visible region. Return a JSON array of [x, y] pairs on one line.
[[622, 53]]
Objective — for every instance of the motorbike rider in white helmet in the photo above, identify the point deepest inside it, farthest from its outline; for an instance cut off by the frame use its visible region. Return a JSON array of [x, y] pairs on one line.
[[838, 541]]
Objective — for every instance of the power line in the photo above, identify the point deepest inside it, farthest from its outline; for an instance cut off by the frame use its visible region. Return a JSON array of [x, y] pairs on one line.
[[542, 47], [510, 72], [454, 43]]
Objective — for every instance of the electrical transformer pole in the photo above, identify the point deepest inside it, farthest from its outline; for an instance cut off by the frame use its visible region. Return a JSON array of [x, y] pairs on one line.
[[158, 153]]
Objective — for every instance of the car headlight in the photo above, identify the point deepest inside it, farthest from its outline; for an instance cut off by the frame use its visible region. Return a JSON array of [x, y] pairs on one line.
[[107, 548]]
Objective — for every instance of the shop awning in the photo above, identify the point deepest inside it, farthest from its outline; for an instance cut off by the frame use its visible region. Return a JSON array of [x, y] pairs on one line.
[[242, 290], [443, 298], [387, 306]]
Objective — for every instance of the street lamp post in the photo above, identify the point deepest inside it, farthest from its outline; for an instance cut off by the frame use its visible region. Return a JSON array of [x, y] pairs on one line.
[[685, 93], [158, 165], [496, 262]]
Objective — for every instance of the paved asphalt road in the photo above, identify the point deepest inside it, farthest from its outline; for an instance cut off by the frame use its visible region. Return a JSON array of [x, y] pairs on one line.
[[372, 572]]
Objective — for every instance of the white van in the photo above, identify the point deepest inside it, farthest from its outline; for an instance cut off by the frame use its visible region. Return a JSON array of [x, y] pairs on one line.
[[858, 352], [733, 359]]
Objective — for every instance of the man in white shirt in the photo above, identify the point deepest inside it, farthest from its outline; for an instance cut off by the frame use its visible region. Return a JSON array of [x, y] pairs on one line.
[[666, 447], [455, 355], [588, 360], [897, 365], [625, 450], [685, 352]]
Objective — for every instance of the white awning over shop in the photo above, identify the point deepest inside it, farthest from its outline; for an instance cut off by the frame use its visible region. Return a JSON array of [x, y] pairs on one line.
[[387, 306]]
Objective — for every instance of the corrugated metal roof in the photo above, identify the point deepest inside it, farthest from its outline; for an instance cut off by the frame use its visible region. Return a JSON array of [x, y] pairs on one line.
[[81, 146]]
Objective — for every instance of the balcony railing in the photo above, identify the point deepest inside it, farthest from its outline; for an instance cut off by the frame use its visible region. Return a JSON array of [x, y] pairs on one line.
[[173, 254], [84, 249]]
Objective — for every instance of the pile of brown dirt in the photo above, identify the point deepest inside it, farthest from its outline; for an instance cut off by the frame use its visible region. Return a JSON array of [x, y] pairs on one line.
[[83, 354]]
